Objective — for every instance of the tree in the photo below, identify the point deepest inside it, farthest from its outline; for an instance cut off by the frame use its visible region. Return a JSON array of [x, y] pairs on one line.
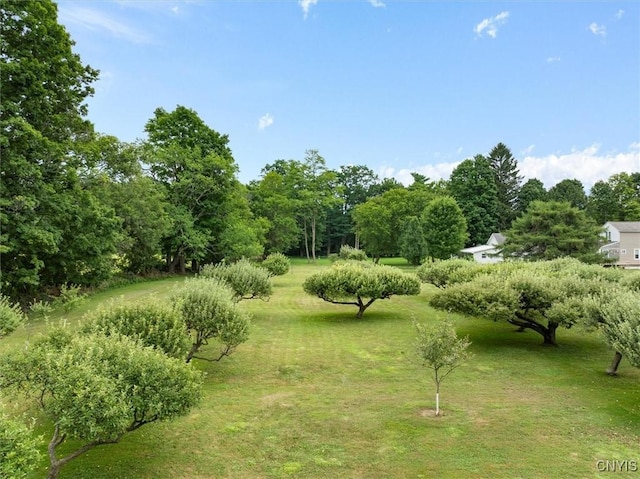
[[440, 350], [11, 316], [152, 323], [413, 246], [350, 253], [53, 229], [473, 187], [360, 284], [19, 452], [445, 228], [246, 280], [210, 311], [440, 273], [507, 179], [276, 264], [531, 191], [538, 296], [570, 191], [95, 388], [551, 230]]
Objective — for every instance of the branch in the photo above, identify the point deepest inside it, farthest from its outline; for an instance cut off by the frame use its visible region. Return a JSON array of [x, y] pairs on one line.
[[329, 300]]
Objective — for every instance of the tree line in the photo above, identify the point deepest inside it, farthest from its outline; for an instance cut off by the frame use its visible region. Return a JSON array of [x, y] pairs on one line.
[[76, 206]]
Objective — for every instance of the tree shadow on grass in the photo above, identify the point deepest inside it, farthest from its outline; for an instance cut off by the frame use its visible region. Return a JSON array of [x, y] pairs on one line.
[[348, 316]]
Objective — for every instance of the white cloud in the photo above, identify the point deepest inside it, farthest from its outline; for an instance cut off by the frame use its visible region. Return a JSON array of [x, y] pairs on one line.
[[306, 5], [528, 150], [459, 150], [265, 121], [175, 9], [490, 25], [587, 165], [619, 14], [553, 59], [376, 3], [598, 29], [94, 20]]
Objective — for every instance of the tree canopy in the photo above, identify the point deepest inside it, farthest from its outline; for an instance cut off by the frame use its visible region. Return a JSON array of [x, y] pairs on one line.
[[360, 284]]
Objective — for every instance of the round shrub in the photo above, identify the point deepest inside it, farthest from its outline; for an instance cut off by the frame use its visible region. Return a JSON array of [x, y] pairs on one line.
[[11, 316], [276, 264]]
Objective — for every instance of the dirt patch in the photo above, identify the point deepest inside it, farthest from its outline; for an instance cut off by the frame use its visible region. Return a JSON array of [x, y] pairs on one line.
[[279, 399]]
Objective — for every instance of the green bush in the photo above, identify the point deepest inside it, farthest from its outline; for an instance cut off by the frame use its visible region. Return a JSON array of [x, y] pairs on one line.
[[11, 316], [246, 280], [276, 264], [19, 452], [350, 253]]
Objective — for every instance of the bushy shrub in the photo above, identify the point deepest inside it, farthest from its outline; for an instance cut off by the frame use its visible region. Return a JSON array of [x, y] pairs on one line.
[[210, 311], [69, 298], [438, 273], [11, 316], [153, 324], [246, 280], [19, 452], [276, 264], [350, 253]]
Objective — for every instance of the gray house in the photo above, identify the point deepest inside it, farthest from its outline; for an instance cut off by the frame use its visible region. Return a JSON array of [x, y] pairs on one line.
[[489, 252], [623, 243]]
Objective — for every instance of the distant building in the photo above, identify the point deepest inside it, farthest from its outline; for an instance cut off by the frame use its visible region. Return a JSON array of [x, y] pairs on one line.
[[623, 243], [489, 252]]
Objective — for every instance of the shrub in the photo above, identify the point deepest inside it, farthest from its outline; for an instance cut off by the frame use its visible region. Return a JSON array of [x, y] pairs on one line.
[[276, 264], [19, 452], [350, 253], [11, 316], [246, 280]]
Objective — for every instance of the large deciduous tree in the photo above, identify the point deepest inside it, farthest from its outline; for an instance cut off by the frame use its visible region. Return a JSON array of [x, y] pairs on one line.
[[551, 230], [53, 230], [360, 284], [445, 228], [570, 191], [532, 190], [473, 186], [96, 389], [507, 178]]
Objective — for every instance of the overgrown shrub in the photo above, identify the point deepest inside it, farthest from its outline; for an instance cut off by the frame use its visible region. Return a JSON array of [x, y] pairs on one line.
[[19, 454], [69, 298], [11, 316], [246, 280], [350, 253]]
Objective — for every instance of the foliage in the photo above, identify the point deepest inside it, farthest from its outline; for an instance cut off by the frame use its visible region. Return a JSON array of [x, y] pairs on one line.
[[538, 296], [40, 308], [276, 264], [411, 242], [19, 452], [11, 316], [569, 191], [631, 281], [210, 311], [473, 186], [617, 199], [360, 284], [246, 280], [70, 297], [438, 273], [531, 191], [550, 230], [349, 253], [152, 323], [439, 349], [507, 179], [445, 228], [96, 388], [620, 315]]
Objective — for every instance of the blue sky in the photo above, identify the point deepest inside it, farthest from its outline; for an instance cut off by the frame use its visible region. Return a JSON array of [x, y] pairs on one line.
[[397, 86]]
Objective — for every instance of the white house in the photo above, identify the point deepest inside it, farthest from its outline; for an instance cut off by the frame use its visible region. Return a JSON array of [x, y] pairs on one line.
[[487, 253], [623, 243]]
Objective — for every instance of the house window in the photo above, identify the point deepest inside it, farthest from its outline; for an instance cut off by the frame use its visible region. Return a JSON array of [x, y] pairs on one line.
[[484, 255], [636, 254], [623, 251]]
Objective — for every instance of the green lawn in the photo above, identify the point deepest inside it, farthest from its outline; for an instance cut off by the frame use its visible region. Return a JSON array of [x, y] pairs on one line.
[[316, 393]]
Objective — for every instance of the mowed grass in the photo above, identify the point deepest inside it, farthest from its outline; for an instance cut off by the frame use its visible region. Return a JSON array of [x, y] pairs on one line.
[[316, 393]]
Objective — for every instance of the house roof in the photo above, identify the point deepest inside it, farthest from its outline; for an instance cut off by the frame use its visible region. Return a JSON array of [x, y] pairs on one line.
[[478, 249], [614, 245], [625, 226], [498, 237]]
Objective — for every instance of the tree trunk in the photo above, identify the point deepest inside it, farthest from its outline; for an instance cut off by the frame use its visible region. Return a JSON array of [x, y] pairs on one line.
[[183, 266], [615, 362], [306, 241], [549, 334], [313, 238], [195, 266], [357, 241]]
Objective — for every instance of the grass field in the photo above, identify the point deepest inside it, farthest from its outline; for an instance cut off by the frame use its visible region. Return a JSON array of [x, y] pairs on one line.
[[316, 393]]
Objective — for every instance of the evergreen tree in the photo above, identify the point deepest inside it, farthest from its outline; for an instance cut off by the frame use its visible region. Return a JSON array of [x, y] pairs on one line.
[[506, 176], [445, 228], [413, 246]]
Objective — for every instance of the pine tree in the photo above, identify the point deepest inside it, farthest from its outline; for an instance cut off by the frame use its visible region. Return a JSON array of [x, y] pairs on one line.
[[507, 178]]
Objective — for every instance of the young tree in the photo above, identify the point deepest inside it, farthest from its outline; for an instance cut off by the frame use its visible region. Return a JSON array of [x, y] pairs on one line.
[[445, 228], [550, 230], [440, 273], [507, 179], [11, 316], [96, 388], [439, 349], [246, 280], [473, 186], [413, 246], [210, 311], [152, 323], [360, 284]]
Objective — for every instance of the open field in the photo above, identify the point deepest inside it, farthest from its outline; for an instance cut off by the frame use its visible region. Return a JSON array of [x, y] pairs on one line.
[[315, 393]]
